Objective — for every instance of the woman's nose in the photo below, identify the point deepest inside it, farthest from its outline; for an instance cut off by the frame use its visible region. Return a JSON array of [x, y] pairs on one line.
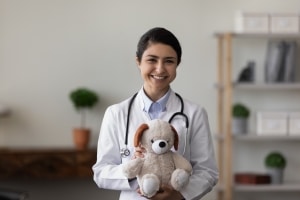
[[160, 67]]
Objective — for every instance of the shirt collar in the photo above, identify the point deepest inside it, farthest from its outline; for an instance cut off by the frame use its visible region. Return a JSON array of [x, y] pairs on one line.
[[162, 101]]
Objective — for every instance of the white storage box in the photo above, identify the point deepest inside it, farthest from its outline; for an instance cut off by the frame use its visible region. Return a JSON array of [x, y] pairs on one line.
[[272, 123], [294, 123], [284, 23], [250, 22]]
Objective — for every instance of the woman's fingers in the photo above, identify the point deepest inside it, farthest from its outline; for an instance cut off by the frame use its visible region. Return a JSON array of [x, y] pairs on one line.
[[139, 152]]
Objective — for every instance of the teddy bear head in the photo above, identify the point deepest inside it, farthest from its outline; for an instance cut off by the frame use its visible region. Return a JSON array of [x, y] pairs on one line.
[[157, 136]]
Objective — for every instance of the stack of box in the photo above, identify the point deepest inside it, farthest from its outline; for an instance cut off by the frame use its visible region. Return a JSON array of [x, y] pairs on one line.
[[284, 23], [294, 123], [260, 22], [278, 123]]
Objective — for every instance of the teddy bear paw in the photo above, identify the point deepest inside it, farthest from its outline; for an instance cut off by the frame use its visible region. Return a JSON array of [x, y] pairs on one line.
[[179, 179], [150, 185]]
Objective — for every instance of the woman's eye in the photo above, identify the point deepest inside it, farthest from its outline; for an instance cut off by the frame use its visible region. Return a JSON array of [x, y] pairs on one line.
[[151, 60], [169, 61]]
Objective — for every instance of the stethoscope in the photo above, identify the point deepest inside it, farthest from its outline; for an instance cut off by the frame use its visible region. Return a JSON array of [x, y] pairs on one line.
[[125, 152]]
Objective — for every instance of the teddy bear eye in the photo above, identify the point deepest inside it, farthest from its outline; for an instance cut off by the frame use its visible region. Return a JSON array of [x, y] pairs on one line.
[[152, 141]]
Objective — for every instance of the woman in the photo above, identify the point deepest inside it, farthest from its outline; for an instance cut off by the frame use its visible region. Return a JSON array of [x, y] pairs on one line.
[[158, 55]]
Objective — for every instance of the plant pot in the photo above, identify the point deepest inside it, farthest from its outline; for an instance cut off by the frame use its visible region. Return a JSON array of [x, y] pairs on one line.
[[239, 125], [81, 137], [276, 175]]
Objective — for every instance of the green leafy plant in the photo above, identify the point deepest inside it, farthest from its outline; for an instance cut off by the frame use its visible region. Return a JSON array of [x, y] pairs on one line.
[[275, 160], [83, 99], [240, 110]]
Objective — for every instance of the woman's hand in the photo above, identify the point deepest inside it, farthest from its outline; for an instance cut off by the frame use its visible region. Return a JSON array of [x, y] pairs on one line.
[[139, 152], [167, 193]]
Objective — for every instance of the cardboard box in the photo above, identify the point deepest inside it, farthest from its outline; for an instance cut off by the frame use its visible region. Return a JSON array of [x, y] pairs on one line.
[[251, 22], [284, 23], [272, 123], [294, 123]]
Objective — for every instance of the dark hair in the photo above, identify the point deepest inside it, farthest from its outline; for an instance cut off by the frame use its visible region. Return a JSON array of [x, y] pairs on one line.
[[158, 35]]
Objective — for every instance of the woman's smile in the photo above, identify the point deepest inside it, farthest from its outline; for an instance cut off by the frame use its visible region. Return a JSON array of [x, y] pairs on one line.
[[159, 77]]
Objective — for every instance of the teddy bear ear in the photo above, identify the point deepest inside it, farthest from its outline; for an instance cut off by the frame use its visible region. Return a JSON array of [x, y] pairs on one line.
[[176, 140], [138, 134]]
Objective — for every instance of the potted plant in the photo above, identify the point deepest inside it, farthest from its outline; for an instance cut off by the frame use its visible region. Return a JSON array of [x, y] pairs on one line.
[[82, 99], [275, 163], [240, 114]]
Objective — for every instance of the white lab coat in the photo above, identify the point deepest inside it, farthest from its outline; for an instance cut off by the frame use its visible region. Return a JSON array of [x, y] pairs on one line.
[[195, 144]]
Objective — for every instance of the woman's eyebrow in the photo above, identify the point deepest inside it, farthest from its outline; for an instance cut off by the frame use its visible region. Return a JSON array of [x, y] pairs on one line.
[[154, 56], [170, 57]]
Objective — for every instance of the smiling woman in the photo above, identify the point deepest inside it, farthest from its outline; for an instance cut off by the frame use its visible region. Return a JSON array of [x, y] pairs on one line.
[[158, 56], [158, 69], [158, 61]]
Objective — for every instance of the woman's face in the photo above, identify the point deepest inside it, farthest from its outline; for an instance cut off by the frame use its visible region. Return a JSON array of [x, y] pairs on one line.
[[158, 69]]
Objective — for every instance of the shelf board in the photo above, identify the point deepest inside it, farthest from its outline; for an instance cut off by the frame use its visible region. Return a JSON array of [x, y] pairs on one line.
[[254, 137], [289, 187], [267, 86], [260, 35], [261, 86]]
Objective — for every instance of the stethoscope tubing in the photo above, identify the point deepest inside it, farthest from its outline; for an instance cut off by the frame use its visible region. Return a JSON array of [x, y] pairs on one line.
[[125, 151]]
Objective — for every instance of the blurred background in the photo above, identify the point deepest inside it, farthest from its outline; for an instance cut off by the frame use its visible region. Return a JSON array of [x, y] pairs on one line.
[[50, 47]]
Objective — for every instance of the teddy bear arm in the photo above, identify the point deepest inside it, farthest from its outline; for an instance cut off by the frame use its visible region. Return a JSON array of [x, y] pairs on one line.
[[132, 168], [181, 163]]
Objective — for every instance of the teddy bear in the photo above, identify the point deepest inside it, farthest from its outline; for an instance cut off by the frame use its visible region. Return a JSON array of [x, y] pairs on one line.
[[160, 165]]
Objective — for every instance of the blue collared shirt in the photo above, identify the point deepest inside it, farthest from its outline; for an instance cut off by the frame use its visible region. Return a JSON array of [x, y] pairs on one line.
[[155, 108]]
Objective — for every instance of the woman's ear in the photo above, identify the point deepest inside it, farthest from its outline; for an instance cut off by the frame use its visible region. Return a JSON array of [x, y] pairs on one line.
[[137, 62], [139, 133]]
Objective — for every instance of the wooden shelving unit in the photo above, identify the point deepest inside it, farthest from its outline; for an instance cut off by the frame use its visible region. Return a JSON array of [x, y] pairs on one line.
[[225, 92]]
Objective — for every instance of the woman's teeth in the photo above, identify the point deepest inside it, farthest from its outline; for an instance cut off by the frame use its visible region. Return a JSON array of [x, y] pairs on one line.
[[158, 77]]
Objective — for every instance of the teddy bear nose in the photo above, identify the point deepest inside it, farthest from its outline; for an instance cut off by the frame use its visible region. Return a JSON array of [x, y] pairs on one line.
[[162, 144]]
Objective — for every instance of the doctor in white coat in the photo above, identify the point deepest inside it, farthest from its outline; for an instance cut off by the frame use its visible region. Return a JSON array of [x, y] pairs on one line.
[[158, 56]]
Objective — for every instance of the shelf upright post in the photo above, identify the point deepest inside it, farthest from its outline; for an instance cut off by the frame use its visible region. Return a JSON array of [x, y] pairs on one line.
[[228, 115], [220, 113]]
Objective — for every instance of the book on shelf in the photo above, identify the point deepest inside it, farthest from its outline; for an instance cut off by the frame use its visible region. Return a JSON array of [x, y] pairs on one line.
[[280, 64]]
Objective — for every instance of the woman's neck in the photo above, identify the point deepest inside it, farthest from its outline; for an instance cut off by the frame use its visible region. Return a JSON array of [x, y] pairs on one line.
[[155, 95]]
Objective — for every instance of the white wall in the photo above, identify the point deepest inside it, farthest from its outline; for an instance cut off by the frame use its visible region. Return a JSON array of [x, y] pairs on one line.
[[49, 47]]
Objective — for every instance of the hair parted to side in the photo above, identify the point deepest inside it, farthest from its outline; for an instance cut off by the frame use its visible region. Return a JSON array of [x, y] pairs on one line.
[[158, 35]]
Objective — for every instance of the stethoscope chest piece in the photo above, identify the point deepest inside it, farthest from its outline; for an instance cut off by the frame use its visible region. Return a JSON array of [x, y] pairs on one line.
[[125, 152]]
